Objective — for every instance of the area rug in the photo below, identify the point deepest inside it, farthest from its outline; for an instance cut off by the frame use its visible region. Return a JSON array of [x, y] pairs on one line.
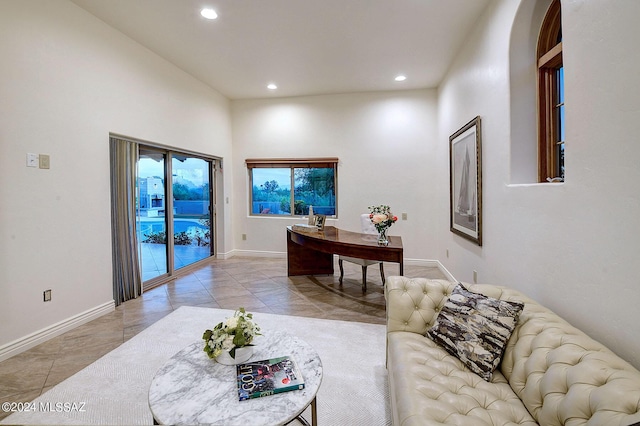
[[114, 389]]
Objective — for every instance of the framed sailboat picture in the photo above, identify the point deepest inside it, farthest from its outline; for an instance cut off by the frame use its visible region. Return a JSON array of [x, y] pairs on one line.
[[465, 172]]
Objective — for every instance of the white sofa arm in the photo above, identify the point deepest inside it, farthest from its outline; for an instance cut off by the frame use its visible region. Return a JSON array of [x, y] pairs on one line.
[[413, 303]]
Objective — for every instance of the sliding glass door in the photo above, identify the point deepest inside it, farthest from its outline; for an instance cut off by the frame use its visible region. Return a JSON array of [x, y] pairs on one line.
[[191, 183], [152, 217], [182, 210]]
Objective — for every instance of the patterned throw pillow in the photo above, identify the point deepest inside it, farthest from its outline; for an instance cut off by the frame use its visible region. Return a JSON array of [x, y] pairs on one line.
[[475, 328]]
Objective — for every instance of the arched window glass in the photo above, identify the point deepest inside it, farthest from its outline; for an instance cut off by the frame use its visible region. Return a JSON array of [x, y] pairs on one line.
[[551, 110]]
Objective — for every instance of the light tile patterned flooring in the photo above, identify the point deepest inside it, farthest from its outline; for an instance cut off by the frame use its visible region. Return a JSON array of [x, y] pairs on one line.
[[154, 258], [258, 284]]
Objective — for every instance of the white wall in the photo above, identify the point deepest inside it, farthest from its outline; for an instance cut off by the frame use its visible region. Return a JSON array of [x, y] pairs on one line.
[[386, 146], [573, 246], [67, 80]]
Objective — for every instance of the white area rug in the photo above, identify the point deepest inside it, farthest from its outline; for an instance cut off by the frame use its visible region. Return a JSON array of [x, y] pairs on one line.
[[114, 389]]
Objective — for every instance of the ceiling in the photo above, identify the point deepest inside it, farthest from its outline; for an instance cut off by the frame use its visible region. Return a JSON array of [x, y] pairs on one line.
[[305, 47]]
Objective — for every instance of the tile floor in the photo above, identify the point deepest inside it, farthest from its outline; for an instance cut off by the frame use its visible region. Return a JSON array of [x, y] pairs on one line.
[[258, 284], [154, 258]]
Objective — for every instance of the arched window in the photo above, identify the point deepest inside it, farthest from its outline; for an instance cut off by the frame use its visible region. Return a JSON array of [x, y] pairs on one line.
[[551, 122]]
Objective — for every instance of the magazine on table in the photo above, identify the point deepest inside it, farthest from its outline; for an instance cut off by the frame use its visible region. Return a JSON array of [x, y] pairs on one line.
[[267, 377]]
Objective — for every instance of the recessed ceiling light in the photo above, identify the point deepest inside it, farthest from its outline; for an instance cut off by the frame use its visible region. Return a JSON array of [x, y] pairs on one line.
[[401, 78], [272, 86], [209, 13]]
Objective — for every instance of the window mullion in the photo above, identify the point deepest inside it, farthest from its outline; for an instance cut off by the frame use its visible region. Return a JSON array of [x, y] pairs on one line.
[[551, 120], [292, 197], [546, 125], [552, 58]]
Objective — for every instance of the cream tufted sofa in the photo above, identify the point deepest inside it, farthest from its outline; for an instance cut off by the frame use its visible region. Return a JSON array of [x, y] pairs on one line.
[[551, 373]]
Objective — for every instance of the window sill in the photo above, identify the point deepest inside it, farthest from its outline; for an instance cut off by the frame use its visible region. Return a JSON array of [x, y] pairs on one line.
[[537, 184]]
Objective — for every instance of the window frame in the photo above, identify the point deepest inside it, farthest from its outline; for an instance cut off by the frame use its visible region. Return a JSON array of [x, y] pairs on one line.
[[292, 163], [549, 61]]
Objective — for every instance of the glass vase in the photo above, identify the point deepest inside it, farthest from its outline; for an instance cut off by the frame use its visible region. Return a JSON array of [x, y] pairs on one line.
[[382, 237]]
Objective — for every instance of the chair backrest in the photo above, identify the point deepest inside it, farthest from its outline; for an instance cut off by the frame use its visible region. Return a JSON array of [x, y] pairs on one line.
[[366, 225]]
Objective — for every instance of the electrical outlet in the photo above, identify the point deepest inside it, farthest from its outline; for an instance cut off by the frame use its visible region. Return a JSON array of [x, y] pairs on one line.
[[244, 237], [404, 216], [475, 277], [447, 253], [47, 295]]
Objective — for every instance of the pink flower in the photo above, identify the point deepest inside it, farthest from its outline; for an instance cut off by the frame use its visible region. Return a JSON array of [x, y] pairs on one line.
[[377, 218]]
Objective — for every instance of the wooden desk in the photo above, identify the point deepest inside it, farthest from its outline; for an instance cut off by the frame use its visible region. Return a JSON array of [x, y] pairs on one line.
[[312, 253]]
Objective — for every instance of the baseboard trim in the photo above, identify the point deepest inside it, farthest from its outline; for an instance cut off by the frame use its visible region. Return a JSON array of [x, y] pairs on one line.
[[225, 255], [256, 253], [27, 342], [431, 264]]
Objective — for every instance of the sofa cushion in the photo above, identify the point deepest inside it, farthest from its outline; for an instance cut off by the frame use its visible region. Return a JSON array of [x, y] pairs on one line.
[[428, 386], [475, 328]]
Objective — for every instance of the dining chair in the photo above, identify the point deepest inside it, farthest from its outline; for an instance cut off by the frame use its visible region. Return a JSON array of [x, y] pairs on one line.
[[366, 227]]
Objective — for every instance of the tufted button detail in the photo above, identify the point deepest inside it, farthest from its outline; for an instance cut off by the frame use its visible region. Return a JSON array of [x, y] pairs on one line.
[[546, 360]]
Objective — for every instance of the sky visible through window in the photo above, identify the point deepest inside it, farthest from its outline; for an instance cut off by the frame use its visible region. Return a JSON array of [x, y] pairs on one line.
[[190, 169], [282, 176], [150, 168]]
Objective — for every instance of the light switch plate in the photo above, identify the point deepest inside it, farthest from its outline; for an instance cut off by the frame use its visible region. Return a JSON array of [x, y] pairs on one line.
[[32, 160]]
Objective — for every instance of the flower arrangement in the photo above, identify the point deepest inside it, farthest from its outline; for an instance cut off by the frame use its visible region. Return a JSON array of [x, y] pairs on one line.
[[382, 219], [236, 332]]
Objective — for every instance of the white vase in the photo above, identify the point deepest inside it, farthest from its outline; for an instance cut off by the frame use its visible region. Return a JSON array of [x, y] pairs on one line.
[[242, 355]]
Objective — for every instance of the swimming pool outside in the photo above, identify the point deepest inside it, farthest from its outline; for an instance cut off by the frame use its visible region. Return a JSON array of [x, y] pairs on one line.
[[153, 254], [147, 226]]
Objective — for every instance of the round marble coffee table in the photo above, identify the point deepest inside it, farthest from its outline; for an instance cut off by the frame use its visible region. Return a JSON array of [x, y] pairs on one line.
[[193, 389]]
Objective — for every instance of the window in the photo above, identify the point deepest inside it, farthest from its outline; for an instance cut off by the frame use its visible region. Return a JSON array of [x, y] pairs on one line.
[[287, 187], [551, 121]]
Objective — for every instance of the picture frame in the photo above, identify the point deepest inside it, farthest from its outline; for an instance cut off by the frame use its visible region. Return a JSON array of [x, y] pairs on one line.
[[319, 220], [465, 181]]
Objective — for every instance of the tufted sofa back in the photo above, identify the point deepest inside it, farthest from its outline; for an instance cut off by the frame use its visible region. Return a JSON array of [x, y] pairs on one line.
[[562, 376]]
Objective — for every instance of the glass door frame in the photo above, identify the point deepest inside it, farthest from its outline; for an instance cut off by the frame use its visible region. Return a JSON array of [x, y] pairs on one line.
[[144, 152], [175, 212]]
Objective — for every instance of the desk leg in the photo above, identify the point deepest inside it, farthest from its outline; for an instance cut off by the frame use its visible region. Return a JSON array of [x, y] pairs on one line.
[[401, 268]]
